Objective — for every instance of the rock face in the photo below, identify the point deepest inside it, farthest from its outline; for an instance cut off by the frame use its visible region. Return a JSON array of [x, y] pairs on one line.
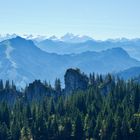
[[37, 91], [74, 80]]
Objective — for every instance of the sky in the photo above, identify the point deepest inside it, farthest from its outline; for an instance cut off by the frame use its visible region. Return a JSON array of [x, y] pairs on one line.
[[100, 19]]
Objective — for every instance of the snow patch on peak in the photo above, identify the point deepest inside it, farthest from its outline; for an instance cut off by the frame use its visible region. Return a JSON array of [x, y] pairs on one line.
[[8, 52]]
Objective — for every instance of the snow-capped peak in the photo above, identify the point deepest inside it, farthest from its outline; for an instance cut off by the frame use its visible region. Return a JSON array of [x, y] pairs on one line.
[[7, 36], [69, 37]]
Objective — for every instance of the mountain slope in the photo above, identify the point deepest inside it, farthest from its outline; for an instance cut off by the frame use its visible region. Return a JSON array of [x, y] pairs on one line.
[[111, 60], [22, 61], [129, 73]]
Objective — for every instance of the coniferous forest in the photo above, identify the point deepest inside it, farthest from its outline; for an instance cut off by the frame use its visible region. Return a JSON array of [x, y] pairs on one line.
[[92, 107]]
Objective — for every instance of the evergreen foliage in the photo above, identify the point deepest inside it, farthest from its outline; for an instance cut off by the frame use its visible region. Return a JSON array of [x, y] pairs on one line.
[[108, 109]]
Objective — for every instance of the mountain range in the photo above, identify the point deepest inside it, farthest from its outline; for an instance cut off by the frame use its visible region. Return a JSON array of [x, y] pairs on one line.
[[70, 43], [132, 47], [22, 61]]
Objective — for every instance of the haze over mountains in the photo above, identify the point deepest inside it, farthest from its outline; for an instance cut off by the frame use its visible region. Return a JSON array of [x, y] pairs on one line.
[[70, 43], [24, 60], [68, 46]]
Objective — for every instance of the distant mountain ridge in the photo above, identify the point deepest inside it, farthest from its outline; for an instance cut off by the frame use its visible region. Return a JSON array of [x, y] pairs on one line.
[[63, 47], [71, 38], [70, 43]]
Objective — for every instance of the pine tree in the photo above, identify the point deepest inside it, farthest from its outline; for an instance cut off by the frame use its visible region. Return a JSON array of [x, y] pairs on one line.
[[58, 86], [78, 128]]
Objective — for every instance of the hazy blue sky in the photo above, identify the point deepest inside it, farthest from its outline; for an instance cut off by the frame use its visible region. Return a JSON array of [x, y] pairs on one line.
[[98, 18]]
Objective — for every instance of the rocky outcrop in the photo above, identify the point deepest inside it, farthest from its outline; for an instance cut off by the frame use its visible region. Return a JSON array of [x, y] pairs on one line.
[[37, 90], [75, 80]]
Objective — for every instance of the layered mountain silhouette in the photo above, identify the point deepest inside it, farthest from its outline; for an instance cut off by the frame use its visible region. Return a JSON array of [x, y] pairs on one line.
[[132, 47], [22, 61]]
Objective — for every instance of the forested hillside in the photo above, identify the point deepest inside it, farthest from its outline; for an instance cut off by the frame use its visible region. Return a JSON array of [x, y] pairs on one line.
[[89, 107]]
